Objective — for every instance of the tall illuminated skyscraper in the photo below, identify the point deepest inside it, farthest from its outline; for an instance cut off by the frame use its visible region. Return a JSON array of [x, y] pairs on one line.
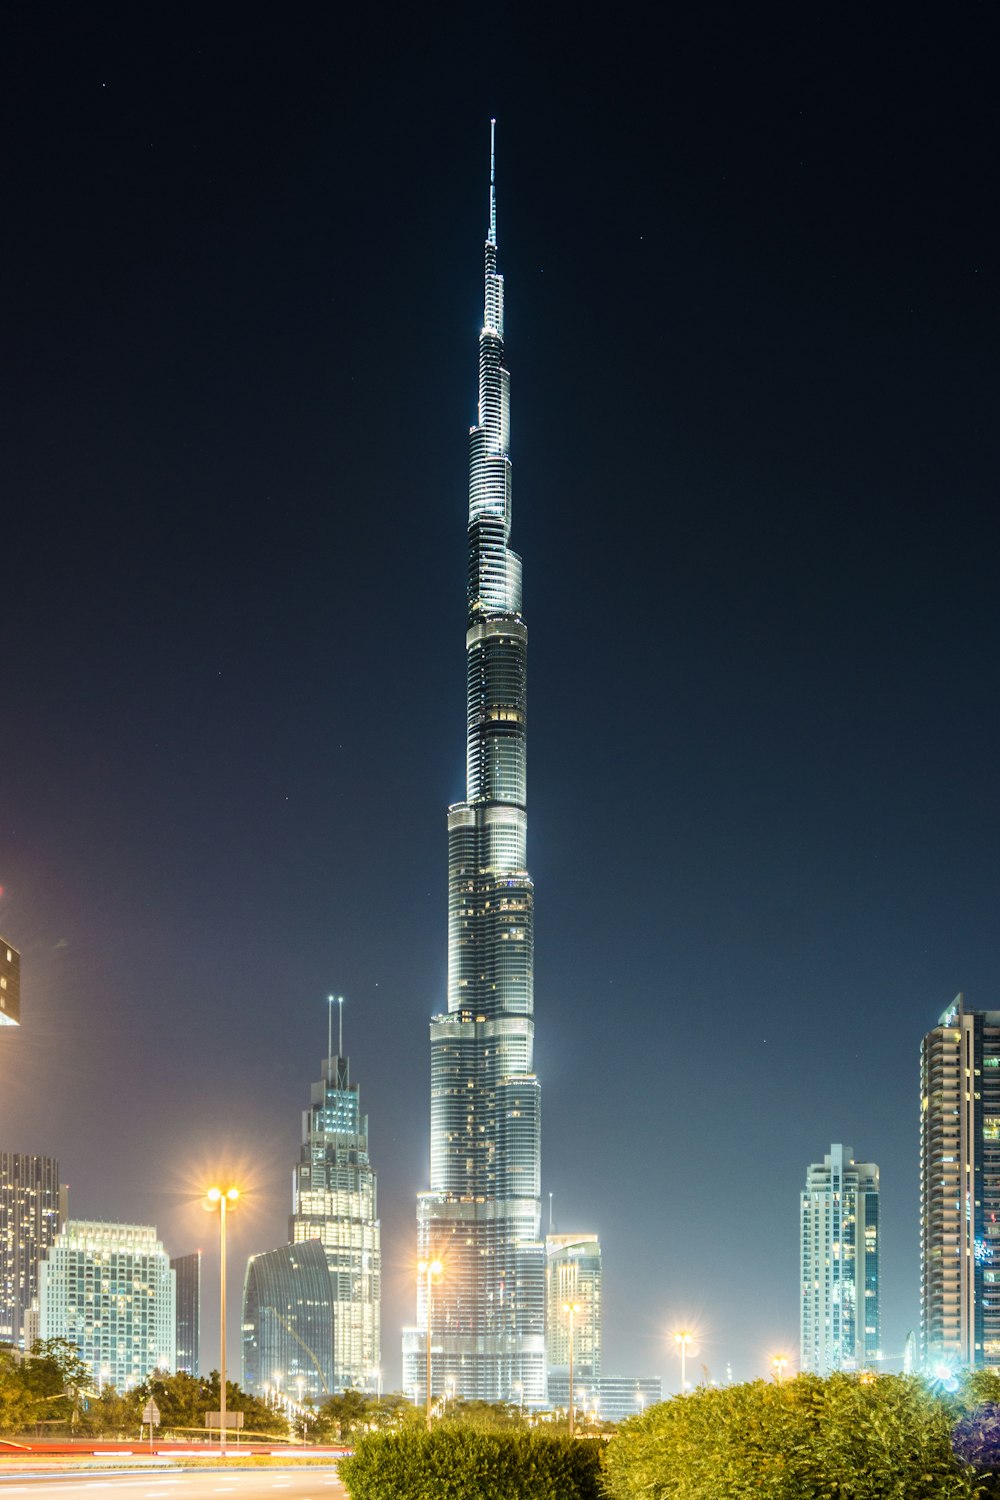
[[840, 1318], [32, 1212], [482, 1215], [335, 1201], [187, 1270], [960, 1189], [109, 1289]]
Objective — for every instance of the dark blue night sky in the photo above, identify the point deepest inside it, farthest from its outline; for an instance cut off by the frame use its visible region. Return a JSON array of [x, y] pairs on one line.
[[752, 323]]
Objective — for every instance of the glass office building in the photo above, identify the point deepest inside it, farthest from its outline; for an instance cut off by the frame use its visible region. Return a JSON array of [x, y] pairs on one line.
[[335, 1202], [573, 1280], [32, 1211], [288, 1323], [840, 1319], [960, 1190], [187, 1269], [109, 1289], [482, 1214]]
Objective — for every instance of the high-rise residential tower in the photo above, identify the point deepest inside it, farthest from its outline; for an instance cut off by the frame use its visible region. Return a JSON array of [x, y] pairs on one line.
[[10, 985], [187, 1270], [481, 1217], [109, 1289], [840, 1315], [32, 1211], [573, 1290], [960, 1189], [334, 1200]]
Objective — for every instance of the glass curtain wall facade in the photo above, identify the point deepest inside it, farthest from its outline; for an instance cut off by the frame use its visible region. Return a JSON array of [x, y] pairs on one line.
[[840, 1321], [960, 1190], [573, 1279], [334, 1201], [288, 1323], [32, 1211], [482, 1214], [187, 1269], [109, 1289]]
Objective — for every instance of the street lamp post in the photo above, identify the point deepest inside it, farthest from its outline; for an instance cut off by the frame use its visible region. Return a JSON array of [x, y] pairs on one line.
[[571, 1309], [223, 1198], [684, 1339], [779, 1364], [430, 1269]]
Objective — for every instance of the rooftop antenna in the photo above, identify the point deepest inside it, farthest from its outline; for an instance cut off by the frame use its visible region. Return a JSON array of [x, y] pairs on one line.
[[550, 1213], [493, 183], [329, 1037], [340, 1029]]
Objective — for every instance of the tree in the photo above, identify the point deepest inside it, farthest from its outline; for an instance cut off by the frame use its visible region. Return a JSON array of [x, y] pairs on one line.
[[17, 1404], [257, 1415], [484, 1413], [182, 1400], [342, 1415], [57, 1375], [111, 1415], [804, 1439], [185, 1400], [393, 1413]]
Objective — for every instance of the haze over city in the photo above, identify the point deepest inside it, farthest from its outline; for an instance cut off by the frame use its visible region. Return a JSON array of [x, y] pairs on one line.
[[752, 320]]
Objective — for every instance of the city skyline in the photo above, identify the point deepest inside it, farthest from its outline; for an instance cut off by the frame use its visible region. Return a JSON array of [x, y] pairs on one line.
[[753, 307]]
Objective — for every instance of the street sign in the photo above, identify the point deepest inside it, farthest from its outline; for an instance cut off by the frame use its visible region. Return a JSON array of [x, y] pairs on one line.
[[151, 1413], [233, 1419]]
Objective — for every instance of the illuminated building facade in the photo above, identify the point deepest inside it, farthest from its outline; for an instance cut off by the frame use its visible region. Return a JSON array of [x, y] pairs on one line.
[[288, 1323], [10, 985], [840, 1318], [187, 1270], [960, 1190], [334, 1201], [482, 1214], [622, 1396], [32, 1211], [572, 1279], [109, 1289]]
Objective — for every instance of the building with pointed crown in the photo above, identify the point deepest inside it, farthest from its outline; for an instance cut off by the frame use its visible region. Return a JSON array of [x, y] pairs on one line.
[[335, 1201], [481, 1217]]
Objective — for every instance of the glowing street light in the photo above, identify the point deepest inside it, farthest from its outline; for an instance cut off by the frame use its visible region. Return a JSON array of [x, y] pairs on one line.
[[684, 1338], [223, 1199], [779, 1364], [571, 1309], [432, 1269]]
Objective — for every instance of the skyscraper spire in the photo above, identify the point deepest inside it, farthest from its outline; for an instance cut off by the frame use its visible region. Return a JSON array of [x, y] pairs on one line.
[[492, 237], [482, 1216]]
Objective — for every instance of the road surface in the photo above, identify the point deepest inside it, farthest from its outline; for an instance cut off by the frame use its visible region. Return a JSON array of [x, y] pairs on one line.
[[314, 1483]]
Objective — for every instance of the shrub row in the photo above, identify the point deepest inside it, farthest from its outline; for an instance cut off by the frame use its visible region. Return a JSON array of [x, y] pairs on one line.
[[468, 1463]]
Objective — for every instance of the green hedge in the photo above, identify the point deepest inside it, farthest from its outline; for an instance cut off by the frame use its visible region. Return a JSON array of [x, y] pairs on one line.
[[467, 1463], [843, 1438]]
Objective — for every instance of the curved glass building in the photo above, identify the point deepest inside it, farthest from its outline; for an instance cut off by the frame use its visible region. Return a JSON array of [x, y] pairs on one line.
[[287, 1333], [482, 1215]]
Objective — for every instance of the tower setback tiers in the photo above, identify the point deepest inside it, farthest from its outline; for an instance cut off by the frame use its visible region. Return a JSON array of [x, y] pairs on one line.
[[481, 1217]]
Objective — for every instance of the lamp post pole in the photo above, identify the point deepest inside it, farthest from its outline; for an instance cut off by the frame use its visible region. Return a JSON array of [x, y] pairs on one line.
[[431, 1268], [222, 1198], [572, 1309], [683, 1340]]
